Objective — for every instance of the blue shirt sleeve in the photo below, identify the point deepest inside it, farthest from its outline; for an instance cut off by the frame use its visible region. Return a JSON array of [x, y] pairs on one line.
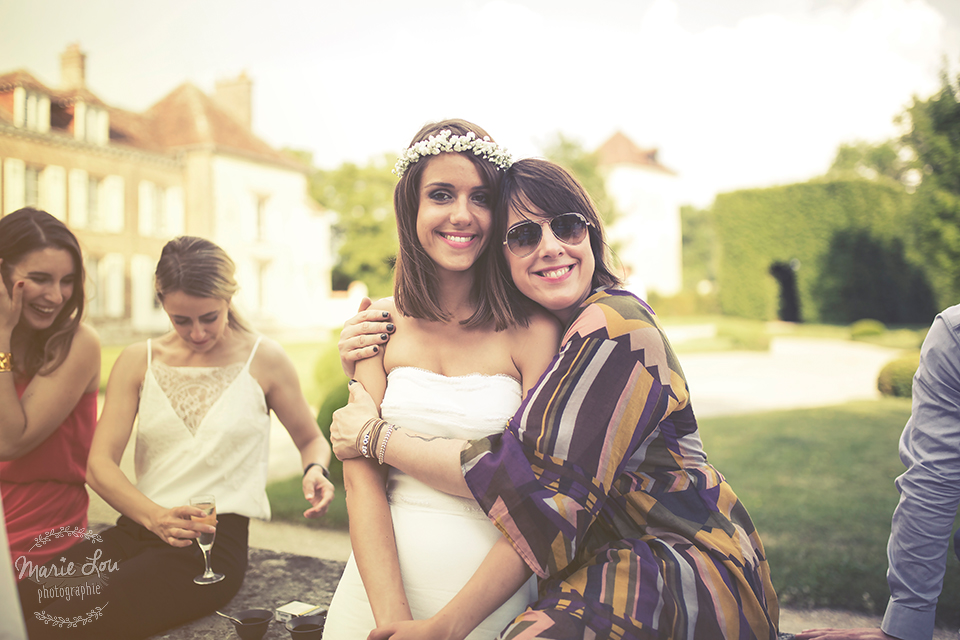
[[929, 488]]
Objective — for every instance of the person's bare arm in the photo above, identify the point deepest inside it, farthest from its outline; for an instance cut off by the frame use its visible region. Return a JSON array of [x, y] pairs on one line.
[[285, 398], [371, 525], [27, 421], [173, 526]]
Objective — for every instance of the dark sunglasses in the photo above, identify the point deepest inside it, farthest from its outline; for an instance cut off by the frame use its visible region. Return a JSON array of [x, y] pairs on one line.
[[524, 237]]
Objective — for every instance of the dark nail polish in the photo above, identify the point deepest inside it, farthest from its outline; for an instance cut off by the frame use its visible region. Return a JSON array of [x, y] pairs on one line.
[[386, 314], [383, 336], [390, 328], [376, 349], [350, 381]]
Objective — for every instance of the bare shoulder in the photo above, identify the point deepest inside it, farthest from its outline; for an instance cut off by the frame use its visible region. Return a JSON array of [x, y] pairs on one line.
[[269, 352], [541, 327], [386, 304], [131, 364]]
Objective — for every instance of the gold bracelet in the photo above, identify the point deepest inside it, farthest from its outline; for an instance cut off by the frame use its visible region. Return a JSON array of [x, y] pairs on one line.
[[6, 362]]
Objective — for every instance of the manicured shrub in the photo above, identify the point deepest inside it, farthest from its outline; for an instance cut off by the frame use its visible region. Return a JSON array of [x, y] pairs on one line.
[[867, 327], [896, 377]]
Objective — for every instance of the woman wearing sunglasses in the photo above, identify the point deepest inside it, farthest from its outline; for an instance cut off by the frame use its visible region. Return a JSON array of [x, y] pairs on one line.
[[600, 485]]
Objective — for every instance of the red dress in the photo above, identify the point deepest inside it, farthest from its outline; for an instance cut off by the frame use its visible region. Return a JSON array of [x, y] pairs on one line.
[[44, 491]]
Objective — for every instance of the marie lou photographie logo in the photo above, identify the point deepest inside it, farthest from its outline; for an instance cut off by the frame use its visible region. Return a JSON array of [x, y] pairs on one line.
[[60, 579]]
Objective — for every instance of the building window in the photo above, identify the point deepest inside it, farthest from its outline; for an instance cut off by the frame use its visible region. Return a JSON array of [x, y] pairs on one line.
[[27, 185], [261, 218], [160, 213], [96, 203], [90, 123], [106, 284], [31, 187], [94, 212], [31, 110]]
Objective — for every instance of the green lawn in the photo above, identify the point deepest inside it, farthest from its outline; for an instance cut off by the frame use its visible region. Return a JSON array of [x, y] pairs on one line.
[[819, 486]]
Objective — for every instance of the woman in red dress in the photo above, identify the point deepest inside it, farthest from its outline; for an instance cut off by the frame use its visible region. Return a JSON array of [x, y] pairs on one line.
[[49, 378]]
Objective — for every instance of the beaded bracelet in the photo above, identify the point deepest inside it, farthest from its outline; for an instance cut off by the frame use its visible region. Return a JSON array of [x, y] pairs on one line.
[[383, 445], [366, 437]]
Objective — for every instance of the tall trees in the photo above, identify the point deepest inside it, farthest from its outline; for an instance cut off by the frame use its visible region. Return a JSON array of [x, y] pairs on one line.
[[935, 139], [365, 233]]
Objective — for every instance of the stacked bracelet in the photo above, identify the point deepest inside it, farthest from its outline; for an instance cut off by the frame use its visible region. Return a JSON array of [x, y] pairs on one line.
[[6, 362], [364, 439], [372, 439]]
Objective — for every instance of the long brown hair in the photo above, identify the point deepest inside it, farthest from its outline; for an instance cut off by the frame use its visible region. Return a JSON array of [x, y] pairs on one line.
[[415, 279], [199, 268], [25, 231], [554, 191]]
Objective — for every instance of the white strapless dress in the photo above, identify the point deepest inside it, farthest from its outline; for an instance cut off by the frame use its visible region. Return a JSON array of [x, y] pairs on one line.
[[441, 539]]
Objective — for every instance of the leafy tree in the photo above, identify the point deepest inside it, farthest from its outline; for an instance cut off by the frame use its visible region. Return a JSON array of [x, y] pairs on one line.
[[699, 238], [935, 139], [365, 234], [874, 161]]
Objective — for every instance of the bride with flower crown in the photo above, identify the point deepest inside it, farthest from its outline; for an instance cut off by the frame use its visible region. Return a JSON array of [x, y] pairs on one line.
[[465, 350]]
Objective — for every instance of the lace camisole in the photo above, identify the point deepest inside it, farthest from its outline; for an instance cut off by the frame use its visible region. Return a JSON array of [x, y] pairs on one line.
[[204, 430]]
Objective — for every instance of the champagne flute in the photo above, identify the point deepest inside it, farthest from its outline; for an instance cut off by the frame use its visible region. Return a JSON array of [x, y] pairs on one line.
[[209, 505]]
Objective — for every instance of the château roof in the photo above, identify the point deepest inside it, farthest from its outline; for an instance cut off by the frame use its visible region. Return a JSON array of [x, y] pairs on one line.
[[619, 149], [186, 117]]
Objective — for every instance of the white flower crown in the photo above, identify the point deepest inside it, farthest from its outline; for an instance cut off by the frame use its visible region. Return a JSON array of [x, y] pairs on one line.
[[444, 142]]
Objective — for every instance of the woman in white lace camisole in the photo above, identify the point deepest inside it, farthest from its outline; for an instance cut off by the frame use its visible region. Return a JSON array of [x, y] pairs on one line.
[[202, 394], [464, 351]]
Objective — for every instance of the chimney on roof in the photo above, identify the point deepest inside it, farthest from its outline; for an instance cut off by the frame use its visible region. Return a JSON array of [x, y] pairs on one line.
[[73, 64], [235, 96]]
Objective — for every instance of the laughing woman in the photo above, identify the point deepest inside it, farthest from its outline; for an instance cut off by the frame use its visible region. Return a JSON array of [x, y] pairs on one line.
[[49, 377]]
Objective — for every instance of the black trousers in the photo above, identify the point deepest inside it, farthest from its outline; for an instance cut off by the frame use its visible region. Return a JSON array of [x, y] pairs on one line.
[[131, 584]]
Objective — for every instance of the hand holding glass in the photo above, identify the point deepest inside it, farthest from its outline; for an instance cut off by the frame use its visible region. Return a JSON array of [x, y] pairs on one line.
[[209, 506]]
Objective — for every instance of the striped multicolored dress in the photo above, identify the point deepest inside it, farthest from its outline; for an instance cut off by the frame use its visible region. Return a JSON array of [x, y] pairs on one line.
[[602, 486]]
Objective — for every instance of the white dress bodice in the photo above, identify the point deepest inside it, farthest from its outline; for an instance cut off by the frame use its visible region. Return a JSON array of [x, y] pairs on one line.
[[441, 539]]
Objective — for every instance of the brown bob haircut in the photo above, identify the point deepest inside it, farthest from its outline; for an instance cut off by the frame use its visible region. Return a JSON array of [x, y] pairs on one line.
[[25, 231], [538, 184], [415, 279]]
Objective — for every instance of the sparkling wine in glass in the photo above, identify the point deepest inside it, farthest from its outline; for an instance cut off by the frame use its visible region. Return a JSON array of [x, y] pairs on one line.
[[209, 505]]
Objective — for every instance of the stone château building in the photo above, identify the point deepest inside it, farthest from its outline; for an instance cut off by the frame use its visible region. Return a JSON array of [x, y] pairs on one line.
[[127, 182]]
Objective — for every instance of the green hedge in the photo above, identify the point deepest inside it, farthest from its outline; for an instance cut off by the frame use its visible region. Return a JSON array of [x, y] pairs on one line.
[[844, 238]]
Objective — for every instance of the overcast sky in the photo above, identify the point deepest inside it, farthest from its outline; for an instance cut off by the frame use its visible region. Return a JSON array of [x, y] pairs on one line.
[[734, 93]]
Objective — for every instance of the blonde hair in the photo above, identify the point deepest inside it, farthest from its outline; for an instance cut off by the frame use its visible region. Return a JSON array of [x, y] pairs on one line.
[[199, 268]]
